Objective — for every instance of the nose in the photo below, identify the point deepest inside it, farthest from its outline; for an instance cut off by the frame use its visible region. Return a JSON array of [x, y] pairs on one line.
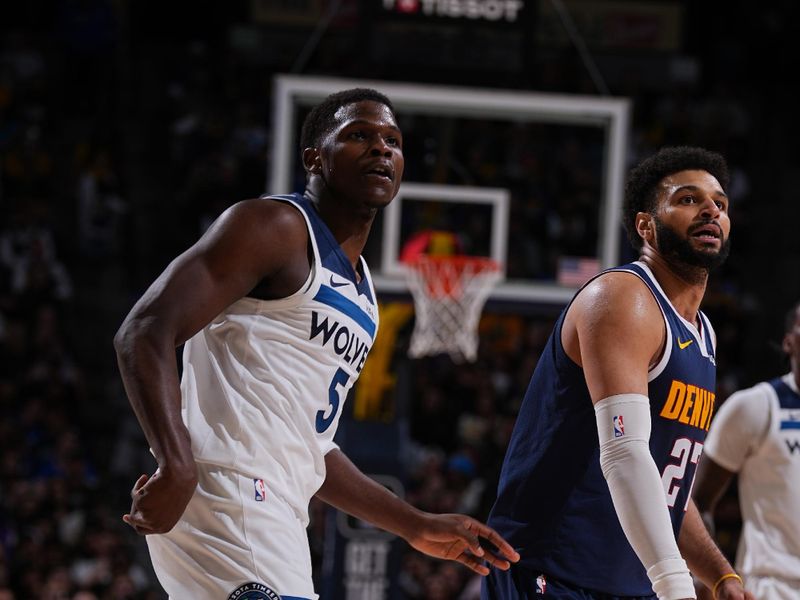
[[710, 208], [380, 147]]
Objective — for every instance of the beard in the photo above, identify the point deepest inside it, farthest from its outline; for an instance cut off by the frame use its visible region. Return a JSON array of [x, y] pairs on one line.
[[672, 245]]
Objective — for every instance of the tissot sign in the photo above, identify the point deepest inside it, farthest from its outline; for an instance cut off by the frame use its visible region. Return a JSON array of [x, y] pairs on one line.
[[485, 10]]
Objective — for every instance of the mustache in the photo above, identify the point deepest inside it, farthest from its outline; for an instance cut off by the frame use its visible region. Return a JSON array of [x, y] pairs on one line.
[[708, 222]]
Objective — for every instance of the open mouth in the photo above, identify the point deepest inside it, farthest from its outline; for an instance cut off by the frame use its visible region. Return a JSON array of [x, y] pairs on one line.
[[707, 233], [382, 171]]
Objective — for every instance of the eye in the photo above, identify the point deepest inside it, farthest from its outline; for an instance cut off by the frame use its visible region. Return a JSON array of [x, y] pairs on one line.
[[720, 204], [357, 135], [393, 141], [688, 200]]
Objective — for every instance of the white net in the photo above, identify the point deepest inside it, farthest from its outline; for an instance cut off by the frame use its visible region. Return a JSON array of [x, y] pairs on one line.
[[449, 294]]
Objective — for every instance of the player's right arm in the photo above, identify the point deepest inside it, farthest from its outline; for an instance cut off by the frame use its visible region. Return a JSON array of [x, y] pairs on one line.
[[252, 241], [738, 429], [615, 331]]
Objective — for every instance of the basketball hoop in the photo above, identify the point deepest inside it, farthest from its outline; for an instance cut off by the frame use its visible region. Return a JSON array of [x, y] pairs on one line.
[[449, 293]]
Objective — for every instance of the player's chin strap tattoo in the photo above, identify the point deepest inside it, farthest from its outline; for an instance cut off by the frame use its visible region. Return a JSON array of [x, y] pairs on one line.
[[623, 426]]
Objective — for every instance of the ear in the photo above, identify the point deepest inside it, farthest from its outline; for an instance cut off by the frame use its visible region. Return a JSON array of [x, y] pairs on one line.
[[312, 162], [645, 227], [787, 344]]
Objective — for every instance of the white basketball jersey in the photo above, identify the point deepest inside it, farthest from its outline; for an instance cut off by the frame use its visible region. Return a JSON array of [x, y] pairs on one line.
[[757, 434], [264, 383]]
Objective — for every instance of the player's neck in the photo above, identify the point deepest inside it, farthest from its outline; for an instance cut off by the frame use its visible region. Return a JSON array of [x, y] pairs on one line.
[[349, 228], [684, 285]]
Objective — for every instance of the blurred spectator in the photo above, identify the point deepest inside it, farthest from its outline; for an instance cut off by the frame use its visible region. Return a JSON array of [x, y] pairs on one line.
[[101, 209]]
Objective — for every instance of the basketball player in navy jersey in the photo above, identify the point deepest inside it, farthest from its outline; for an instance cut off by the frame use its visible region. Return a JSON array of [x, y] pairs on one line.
[[277, 312], [757, 436], [595, 487]]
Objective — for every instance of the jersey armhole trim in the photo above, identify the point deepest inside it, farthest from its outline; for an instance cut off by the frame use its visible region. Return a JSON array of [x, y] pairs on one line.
[[666, 352], [311, 285]]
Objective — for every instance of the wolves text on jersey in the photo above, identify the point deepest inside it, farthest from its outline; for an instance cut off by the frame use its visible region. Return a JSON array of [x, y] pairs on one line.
[[689, 404], [344, 341]]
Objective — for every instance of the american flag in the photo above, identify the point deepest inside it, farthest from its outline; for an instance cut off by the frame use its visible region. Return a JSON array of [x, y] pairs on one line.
[[574, 271]]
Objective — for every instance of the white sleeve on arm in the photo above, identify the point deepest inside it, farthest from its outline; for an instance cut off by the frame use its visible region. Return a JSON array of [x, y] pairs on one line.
[[739, 427], [623, 426]]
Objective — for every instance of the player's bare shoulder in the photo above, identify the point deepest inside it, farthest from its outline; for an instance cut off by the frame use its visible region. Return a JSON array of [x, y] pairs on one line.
[[269, 219], [256, 240], [613, 296], [615, 306], [264, 228]]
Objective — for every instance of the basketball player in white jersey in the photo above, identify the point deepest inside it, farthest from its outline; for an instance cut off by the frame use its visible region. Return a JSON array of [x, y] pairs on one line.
[[277, 312], [756, 434]]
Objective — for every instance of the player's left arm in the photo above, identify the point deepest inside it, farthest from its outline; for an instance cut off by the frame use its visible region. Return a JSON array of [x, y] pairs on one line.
[[705, 560], [446, 536], [710, 483]]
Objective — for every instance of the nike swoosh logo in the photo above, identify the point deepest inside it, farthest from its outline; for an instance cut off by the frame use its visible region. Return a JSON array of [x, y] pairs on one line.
[[338, 283], [683, 345]]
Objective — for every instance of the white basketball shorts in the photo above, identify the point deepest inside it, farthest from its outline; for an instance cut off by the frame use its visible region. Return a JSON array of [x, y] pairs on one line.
[[235, 541]]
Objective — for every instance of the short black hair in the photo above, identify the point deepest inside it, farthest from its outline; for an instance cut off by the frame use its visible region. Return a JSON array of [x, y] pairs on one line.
[[319, 122], [642, 185], [791, 318]]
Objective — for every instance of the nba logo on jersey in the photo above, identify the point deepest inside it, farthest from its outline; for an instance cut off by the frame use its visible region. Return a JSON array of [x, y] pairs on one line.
[[541, 584], [619, 426], [261, 490]]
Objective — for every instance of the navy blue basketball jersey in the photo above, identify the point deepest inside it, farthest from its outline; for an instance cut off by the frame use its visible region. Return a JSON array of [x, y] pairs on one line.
[[553, 503]]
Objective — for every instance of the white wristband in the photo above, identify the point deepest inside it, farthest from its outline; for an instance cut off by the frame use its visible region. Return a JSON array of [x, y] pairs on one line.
[[671, 579]]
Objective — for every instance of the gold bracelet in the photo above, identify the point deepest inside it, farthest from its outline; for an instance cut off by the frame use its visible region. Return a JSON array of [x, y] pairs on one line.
[[723, 578]]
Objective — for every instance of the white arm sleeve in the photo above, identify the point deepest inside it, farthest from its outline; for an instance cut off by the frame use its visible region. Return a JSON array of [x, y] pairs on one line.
[[623, 426]]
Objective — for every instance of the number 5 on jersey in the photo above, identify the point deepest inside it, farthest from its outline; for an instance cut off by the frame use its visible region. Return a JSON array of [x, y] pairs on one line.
[[339, 379]]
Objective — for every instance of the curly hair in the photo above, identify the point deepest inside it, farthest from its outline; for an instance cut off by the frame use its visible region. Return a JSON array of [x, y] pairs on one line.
[[641, 189], [319, 122]]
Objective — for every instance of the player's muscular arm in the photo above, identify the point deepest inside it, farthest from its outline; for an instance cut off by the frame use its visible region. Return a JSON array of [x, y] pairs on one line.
[[251, 240], [447, 536], [615, 331]]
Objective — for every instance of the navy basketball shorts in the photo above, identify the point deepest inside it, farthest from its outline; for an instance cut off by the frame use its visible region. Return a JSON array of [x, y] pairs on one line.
[[519, 583]]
